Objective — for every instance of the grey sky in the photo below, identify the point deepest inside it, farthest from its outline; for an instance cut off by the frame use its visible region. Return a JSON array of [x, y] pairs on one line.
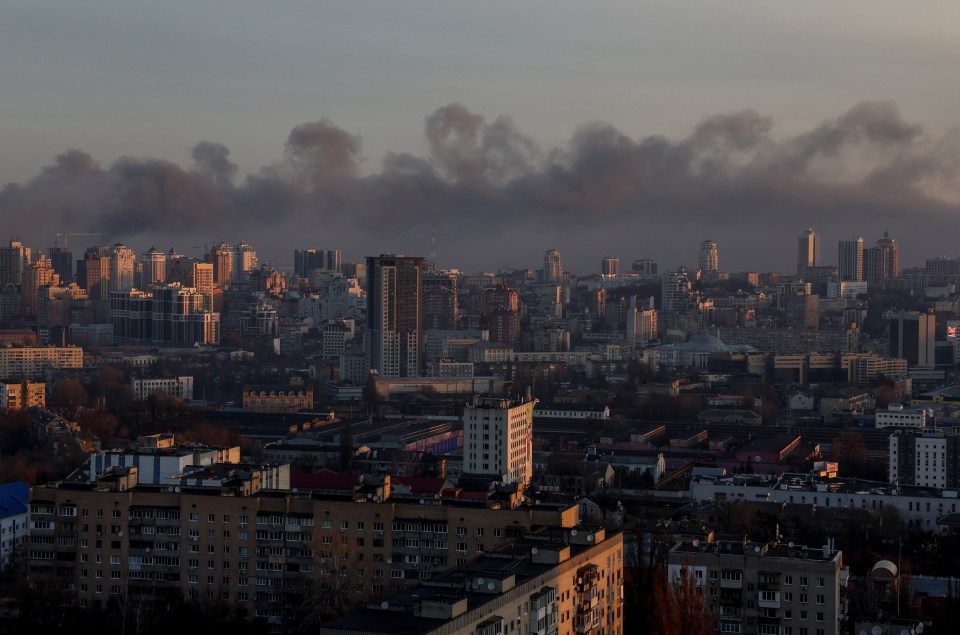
[[148, 79]]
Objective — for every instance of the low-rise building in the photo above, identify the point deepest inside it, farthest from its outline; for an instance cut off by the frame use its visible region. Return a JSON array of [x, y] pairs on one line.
[[13, 523], [176, 388], [897, 416]]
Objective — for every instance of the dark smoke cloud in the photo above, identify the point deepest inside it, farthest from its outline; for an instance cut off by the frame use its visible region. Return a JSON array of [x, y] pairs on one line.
[[490, 189]]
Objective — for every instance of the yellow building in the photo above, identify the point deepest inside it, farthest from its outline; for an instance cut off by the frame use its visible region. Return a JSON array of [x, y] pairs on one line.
[[23, 395]]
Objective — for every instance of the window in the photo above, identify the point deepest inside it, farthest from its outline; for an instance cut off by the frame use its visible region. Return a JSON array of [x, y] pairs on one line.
[[211, 518], [194, 517]]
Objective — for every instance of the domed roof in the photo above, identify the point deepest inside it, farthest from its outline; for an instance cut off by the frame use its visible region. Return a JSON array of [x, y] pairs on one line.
[[885, 570], [704, 342]]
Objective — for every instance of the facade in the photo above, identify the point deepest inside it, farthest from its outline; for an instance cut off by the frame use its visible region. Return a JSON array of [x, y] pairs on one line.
[[896, 416], [32, 362], [153, 269], [395, 315], [23, 395], [709, 260], [123, 262], [233, 541], [177, 388], [765, 588], [850, 266], [13, 523], [610, 267], [913, 337], [93, 273], [557, 583], [159, 460], [552, 267], [498, 439], [928, 459], [808, 251], [440, 300], [278, 399], [15, 260], [676, 291]]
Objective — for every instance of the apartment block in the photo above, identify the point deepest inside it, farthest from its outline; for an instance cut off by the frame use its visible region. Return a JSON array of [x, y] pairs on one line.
[[32, 362], [23, 395], [178, 388], [769, 589], [224, 536]]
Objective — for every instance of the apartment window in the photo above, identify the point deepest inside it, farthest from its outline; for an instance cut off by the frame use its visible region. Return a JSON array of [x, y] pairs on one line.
[[211, 518], [820, 599], [359, 525], [194, 517], [114, 559], [344, 524], [226, 518], [820, 582]]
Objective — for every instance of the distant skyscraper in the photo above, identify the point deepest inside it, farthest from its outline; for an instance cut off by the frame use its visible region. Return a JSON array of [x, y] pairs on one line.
[[709, 260], [154, 268], [221, 257], [646, 267], [395, 314], [882, 263], [307, 260], [14, 262], [244, 261], [552, 269], [501, 314], [808, 251], [610, 267], [93, 273], [676, 291], [122, 265], [62, 260], [440, 308], [850, 266]]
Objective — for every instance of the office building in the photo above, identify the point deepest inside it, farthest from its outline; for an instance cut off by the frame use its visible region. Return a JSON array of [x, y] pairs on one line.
[[552, 267], [850, 265], [498, 438], [709, 260], [912, 337], [765, 588], [898, 416], [645, 268], [395, 315], [808, 251]]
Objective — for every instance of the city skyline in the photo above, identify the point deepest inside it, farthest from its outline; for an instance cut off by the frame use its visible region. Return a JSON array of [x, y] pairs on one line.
[[640, 132]]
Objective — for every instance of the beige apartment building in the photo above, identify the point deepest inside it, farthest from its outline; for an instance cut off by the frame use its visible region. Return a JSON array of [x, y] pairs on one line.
[[263, 552]]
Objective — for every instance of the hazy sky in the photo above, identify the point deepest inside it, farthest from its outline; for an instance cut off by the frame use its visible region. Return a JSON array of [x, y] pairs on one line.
[[841, 116]]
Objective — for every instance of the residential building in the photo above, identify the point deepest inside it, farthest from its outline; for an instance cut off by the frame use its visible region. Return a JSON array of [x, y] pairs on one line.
[[32, 362], [552, 267], [123, 262], [498, 438], [23, 395], [929, 458], [850, 266], [15, 260], [13, 523], [153, 268], [808, 251], [709, 260], [765, 587], [610, 267], [395, 314]]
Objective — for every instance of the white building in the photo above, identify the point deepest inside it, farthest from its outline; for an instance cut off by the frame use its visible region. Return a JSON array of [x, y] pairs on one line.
[[159, 461], [178, 388], [498, 438], [896, 416], [13, 522]]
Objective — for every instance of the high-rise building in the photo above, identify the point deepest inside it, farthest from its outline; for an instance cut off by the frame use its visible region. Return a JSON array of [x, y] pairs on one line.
[[610, 267], [395, 315], [14, 262], [122, 265], [501, 314], [194, 274], [646, 267], [93, 273], [154, 268], [440, 300], [244, 261], [881, 263], [552, 268], [641, 322], [39, 274], [498, 438], [709, 260], [850, 266], [808, 251], [62, 259], [676, 291], [221, 257], [912, 337]]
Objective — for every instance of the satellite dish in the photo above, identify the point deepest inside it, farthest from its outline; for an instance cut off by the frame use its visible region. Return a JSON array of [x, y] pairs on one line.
[[534, 551], [590, 538], [369, 495], [573, 532], [756, 549], [491, 586], [480, 580], [790, 544], [422, 502], [384, 605], [389, 560]]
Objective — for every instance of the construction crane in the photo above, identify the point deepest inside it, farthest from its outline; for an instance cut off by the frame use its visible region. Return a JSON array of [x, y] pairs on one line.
[[66, 237]]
